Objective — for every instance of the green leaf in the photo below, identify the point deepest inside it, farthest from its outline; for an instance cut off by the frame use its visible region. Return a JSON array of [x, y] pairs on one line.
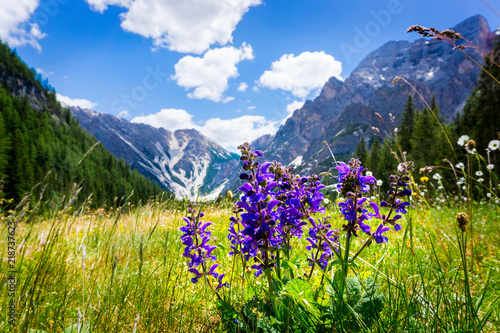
[[302, 293]]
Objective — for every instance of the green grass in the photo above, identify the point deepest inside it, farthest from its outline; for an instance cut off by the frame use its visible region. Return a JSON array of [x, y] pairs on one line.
[[135, 274]]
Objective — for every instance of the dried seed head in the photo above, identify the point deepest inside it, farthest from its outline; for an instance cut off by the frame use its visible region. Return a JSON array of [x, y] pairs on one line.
[[397, 78], [462, 220], [470, 145]]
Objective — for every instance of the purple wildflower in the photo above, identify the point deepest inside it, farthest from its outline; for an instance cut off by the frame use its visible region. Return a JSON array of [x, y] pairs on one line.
[[318, 243], [197, 248]]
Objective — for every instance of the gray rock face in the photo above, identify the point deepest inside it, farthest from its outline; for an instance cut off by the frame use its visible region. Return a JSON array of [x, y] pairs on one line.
[[184, 162], [21, 87], [345, 111]]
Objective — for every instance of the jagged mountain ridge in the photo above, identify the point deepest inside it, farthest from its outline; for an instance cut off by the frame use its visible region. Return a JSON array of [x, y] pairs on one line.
[[345, 110], [184, 162]]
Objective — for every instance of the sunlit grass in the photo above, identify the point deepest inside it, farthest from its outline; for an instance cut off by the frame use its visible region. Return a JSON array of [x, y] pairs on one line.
[[135, 274]]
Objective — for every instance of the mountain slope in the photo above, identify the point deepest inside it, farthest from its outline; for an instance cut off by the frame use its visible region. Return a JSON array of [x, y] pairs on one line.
[[40, 142], [184, 162], [345, 111]]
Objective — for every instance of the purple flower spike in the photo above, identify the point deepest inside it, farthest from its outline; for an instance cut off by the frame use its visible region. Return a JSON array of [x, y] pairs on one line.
[[379, 238], [196, 239], [273, 208]]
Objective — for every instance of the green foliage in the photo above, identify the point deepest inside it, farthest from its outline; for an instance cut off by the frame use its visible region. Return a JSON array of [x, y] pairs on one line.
[[405, 134], [296, 311], [427, 138], [47, 146], [360, 307], [480, 118], [361, 151], [36, 147], [375, 157]]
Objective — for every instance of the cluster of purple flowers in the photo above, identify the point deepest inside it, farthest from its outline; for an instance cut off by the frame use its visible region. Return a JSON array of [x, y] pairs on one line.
[[352, 184], [274, 207], [317, 242], [196, 238]]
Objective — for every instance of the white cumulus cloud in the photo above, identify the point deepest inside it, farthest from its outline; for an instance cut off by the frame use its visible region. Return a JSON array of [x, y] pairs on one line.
[[209, 75], [15, 28], [301, 74], [290, 108], [229, 133], [123, 114], [187, 26], [102, 5], [171, 119], [82, 103], [243, 86]]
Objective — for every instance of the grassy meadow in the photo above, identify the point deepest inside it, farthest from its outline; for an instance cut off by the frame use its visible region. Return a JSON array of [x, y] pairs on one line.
[[123, 270]]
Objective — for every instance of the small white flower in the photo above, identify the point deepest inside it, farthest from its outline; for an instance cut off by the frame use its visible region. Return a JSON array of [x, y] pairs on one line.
[[488, 195], [379, 182], [496, 201], [460, 166], [460, 183], [400, 166], [422, 194], [369, 173], [480, 180], [473, 151], [463, 140], [479, 173], [438, 208], [490, 167], [440, 187], [462, 179], [464, 188], [437, 176], [494, 144], [372, 198], [326, 201]]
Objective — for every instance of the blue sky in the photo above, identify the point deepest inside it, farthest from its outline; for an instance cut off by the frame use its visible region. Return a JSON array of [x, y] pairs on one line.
[[233, 69]]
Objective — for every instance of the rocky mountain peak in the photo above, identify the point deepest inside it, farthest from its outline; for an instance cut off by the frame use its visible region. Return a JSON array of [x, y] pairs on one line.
[[344, 110], [184, 161]]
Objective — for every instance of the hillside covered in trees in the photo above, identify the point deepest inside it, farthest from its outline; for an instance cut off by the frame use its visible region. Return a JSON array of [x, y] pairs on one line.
[[41, 145]]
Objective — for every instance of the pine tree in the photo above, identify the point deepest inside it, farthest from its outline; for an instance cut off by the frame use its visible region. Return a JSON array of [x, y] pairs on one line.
[[4, 148], [361, 151], [428, 142], [374, 161], [485, 103], [406, 129]]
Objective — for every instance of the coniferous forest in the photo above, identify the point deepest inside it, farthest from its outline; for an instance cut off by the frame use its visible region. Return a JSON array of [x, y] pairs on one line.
[[40, 151]]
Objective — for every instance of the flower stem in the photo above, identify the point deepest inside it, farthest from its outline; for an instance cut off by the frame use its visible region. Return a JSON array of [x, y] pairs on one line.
[[367, 243], [313, 264]]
